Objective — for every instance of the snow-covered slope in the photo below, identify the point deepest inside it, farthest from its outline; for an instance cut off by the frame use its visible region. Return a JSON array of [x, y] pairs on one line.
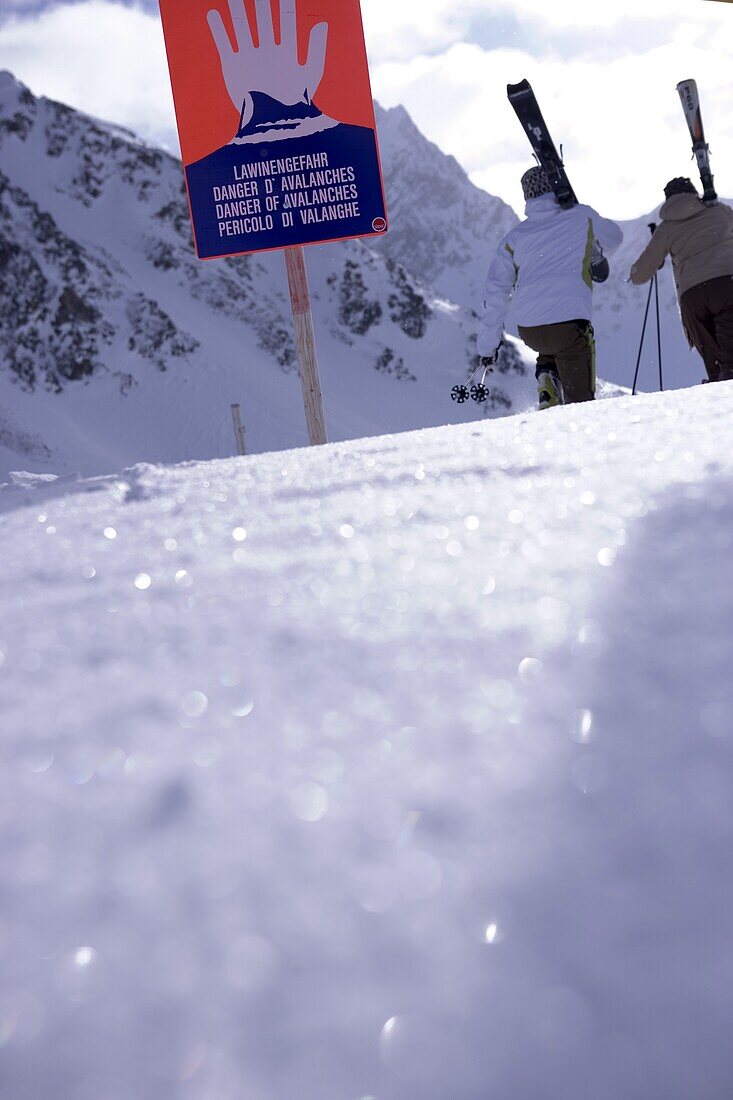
[[117, 345], [399, 768]]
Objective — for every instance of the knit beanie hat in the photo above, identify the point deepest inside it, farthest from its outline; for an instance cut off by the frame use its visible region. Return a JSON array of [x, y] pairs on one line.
[[535, 183], [680, 185]]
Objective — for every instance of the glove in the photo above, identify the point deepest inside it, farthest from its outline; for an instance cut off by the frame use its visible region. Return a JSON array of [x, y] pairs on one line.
[[599, 266], [486, 362]]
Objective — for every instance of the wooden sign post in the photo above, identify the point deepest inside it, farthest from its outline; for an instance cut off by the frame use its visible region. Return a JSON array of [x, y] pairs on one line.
[[238, 430], [306, 345]]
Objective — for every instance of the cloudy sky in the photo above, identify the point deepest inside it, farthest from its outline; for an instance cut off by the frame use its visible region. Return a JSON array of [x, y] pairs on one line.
[[605, 72]]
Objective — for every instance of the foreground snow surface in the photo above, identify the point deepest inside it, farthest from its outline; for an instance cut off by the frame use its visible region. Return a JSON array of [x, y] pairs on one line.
[[398, 769]]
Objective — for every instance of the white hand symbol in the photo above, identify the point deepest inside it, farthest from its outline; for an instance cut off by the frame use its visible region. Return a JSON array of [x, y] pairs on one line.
[[272, 68]]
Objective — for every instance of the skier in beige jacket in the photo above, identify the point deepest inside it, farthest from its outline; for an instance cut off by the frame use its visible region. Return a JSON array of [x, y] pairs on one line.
[[699, 239]]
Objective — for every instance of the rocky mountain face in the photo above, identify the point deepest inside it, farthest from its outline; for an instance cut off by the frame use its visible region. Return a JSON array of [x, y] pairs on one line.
[[118, 345], [440, 224]]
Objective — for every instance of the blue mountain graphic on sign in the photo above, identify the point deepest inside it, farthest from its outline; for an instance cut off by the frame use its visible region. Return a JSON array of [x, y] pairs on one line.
[[260, 113]]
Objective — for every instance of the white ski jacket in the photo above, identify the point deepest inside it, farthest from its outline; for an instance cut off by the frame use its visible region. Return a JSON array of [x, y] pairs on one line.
[[544, 262]]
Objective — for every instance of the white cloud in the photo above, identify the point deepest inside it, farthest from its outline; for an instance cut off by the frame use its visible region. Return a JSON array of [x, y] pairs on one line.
[[618, 116], [99, 57], [405, 28], [402, 28], [621, 121], [591, 13]]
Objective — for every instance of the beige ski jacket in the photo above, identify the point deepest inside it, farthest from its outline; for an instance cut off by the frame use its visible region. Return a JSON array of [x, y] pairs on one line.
[[699, 239]]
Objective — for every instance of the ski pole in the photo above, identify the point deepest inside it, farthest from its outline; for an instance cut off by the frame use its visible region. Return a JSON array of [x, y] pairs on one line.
[[653, 285], [659, 334], [643, 333]]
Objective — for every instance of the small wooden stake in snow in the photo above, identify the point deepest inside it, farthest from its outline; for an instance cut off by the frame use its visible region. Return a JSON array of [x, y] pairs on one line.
[[238, 430], [306, 345]]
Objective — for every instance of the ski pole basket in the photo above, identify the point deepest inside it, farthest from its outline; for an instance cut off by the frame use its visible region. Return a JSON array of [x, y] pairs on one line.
[[477, 391]]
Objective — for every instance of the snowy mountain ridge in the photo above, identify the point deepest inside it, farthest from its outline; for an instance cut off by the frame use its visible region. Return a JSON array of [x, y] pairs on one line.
[[117, 345], [111, 327]]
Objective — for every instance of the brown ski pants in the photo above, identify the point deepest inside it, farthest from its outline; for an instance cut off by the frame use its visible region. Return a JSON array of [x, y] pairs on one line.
[[569, 350], [707, 315]]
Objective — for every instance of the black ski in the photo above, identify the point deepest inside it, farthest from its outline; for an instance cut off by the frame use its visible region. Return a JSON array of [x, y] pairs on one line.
[[527, 109], [691, 106]]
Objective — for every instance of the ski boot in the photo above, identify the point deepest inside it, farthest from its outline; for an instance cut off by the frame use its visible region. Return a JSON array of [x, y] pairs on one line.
[[550, 390]]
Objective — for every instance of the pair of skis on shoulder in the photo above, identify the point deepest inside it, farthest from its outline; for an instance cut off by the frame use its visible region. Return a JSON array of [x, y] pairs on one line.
[[701, 151], [524, 102], [527, 109]]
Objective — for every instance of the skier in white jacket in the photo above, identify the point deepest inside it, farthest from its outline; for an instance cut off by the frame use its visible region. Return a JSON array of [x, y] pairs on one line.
[[544, 263]]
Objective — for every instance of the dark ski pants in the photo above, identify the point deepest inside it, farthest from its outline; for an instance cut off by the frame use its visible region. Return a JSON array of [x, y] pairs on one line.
[[568, 349], [707, 315]]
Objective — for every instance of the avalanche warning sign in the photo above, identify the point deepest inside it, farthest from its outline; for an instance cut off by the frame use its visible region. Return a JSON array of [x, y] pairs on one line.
[[276, 122]]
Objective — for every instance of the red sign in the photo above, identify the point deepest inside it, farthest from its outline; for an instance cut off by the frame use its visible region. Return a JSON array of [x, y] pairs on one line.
[[276, 122]]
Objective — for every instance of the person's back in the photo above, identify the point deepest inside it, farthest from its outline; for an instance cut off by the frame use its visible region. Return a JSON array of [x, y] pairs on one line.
[[699, 239], [551, 251], [545, 264]]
